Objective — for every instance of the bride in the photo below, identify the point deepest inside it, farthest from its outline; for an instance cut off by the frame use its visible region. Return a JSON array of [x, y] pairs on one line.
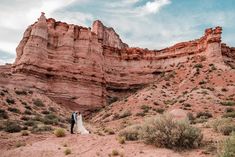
[[79, 126]]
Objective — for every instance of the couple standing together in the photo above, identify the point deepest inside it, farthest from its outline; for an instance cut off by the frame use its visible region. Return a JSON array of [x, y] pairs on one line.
[[76, 120]]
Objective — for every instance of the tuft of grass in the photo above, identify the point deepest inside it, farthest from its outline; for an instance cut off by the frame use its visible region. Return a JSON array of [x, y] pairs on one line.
[[199, 65], [229, 109], [20, 144], [24, 133], [12, 109], [159, 110], [124, 114], [170, 102], [28, 107], [21, 92], [40, 129], [10, 101], [50, 119], [27, 112], [228, 103], [115, 152], [45, 112], [227, 147], [121, 140], [131, 133], [223, 125], [52, 109], [145, 108], [38, 103], [12, 126], [229, 114], [67, 151], [59, 132], [109, 131], [141, 114], [30, 123], [3, 114], [205, 115]]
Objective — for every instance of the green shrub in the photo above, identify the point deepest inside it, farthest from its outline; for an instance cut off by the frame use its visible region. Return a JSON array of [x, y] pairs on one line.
[[52, 109], [204, 114], [227, 148], [229, 109], [50, 119], [2, 94], [38, 103], [170, 102], [38, 118], [186, 105], [227, 129], [228, 103], [159, 110], [224, 90], [25, 118], [12, 127], [141, 114], [3, 114], [131, 133], [229, 114], [112, 100], [202, 82], [20, 144], [191, 117], [145, 108], [10, 101], [28, 112], [201, 119], [21, 92], [40, 129], [59, 132], [45, 112], [199, 65], [165, 132], [125, 114], [67, 151], [30, 123], [28, 107], [12, 109], [219, 122], [223, 125]]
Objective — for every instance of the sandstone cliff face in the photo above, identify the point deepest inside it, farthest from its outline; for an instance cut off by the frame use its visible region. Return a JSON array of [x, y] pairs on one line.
[[87, 67]]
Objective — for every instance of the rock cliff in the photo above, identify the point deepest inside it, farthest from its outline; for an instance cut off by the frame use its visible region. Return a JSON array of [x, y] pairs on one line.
[[88, 68]]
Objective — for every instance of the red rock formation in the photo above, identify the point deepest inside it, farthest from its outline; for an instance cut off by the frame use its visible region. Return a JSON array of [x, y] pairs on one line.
[[85, 67]]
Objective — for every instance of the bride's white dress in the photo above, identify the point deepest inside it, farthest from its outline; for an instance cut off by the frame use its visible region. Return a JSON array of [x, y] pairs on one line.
[[80, 127]]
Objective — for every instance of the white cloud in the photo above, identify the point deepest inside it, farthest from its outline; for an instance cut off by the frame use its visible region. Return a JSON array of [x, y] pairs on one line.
[[154, 6]]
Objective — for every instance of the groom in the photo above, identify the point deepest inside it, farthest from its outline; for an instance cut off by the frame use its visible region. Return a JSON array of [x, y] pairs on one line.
[[73, 120]]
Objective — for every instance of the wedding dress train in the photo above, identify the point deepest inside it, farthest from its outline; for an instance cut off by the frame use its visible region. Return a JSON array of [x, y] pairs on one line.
[[80, 127]]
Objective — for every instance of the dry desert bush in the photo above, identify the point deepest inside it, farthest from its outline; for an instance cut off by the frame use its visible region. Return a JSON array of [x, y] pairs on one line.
[[164, 131], [59, 132], [227, 147]]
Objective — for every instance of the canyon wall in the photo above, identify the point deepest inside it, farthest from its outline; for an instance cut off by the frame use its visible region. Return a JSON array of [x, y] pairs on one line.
[[86, 68]]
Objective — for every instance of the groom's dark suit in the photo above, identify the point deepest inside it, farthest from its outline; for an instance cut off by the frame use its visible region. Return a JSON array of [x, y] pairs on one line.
[[73, 121]]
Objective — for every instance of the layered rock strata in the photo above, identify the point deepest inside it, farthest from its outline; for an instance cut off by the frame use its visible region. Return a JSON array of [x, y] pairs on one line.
[[87, 68]]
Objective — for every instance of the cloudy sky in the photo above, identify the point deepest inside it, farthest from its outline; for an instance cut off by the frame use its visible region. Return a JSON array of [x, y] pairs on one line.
[[154, 24]]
